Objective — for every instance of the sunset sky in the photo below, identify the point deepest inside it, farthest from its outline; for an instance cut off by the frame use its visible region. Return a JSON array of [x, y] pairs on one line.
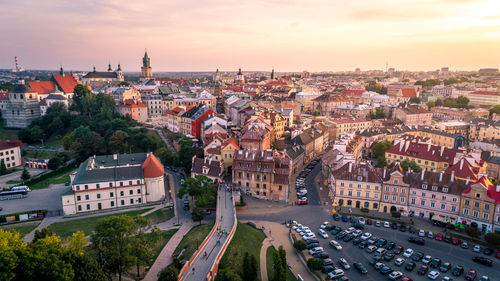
[[289, 35]]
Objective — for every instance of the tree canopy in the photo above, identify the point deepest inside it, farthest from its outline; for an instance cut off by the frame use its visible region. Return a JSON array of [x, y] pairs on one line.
[[376, 87]]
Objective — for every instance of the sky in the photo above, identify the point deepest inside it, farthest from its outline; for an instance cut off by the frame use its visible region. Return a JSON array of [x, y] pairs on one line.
[[289, 35]]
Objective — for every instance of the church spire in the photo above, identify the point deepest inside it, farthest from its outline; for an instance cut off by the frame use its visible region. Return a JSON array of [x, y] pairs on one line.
[[61, 71], [109, 68], [146, 61]]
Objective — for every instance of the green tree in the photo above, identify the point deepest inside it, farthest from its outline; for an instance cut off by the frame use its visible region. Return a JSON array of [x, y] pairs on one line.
[[493, 239], [142, 243], [407, 164], [462, 102], [112, 240], [186, 153], [379, 150], [495, 109], [169, 273], [373, 86], [431, 104], [85, 268], [414, 100], [197, 214], [316, 113], [300, 245], [279, 270], [3, 168], [315, 263], [40, 234], [438, 102], [227, 274], [77, 242], [200, 188], [249, 268], [54, 163], [118, 142], [36, 134], [379, 113], [25, 175]]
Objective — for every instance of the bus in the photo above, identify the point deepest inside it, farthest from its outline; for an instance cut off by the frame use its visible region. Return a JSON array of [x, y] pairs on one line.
[[14, 193]]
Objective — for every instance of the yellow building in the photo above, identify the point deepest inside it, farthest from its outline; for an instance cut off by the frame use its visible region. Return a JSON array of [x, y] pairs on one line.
[[351, 124], [477, 204], [356, 186], [228, 147]]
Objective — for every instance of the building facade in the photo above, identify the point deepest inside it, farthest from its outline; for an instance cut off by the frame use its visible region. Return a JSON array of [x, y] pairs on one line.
[[22, 107], [10, 153]]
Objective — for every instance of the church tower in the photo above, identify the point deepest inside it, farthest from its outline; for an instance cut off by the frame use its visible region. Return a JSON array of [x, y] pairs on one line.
[[217, 76], [240, 78], [146, 70], [273, 75]]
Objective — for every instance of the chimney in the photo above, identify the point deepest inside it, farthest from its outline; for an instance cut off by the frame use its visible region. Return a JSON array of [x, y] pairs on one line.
[[452, 176], [498, 188], [423, 174], [115, 157], [385, 170], [429, 147], [442, 150], [461, 164], [467, 182], [441, 176], [350, 167]]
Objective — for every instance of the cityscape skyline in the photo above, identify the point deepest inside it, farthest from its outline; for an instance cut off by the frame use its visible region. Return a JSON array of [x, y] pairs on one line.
[[287, 35]]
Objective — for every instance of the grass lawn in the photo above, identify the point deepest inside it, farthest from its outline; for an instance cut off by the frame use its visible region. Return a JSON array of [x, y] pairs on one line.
[[7, 134], [67, 228], [165, 237], [56, 179], [39, 154], [269, 263], [13, 181], [246, 239], [161, 215], [22, 228], [192, 240], [55, 141]]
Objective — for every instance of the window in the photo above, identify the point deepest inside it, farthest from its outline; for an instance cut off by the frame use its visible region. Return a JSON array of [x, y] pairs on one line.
[[487, 207], [79, 207], [264, 176], [359, 185], [111, 194], [424, 186], [138, 191], [77, 187], [122, 202], [396, 181], [121, 183], [445, 189], [402, 199], [433, 204], [375, 195], [97, 186], [403, 190], [476, 204], [453, 208], [139, 200], [395, 190], [486, 216], [475, 213], [394, 198], [433, 196], [88, 206], [367, 205], [466, 212], [349, 193], [87, 197], [86, 187], [131, 200], [414, 192], [121, 193], [131, 192], [78, 198], [376, 187], [350, 185], [110, 184], [367, 186], [138, 181], [98, 196], [412, 201], [386, 189], [280, 187], [264, 186], [358, 194], [422, 202], [423, 194], [341, 192], [342, 183], [367, 194], [443, 197], [443, 206], [478, 195], [434, 188]]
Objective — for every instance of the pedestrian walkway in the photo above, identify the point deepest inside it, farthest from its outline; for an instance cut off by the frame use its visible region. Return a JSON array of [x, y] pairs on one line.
[[164, 259], [278, 235], [263, 259]]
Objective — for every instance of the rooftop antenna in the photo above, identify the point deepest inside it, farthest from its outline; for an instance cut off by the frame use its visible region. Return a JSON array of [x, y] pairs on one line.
[[17, 67], [386, 65]]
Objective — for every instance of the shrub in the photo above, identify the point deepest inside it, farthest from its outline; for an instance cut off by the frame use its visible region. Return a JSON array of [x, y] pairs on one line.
[[315, 263], [493, 238], [396, 214], [300, 245], [365, 210], [472, 231]]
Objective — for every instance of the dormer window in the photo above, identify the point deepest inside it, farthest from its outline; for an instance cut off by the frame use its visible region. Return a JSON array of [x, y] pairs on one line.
[[478, 195], [445, 189], [360, 178], [424, 186], [434, 188]]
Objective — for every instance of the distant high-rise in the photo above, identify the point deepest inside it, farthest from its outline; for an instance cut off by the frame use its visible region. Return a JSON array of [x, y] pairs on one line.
[[146, 70]]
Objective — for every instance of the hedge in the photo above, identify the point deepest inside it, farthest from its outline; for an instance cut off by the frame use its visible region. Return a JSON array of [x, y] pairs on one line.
[[3, 217], [42, 177]]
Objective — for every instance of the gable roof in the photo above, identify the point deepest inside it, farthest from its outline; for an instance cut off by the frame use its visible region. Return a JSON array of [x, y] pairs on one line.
[[408, 92], [42, 87], [67, 83]]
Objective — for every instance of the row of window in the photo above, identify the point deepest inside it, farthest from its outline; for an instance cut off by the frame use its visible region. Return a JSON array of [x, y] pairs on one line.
[[395, 199], [477, 204], [7, 159], [358, 194], [418, 160], [110, 185], [111, 204], [366, 204], [433, 196], [359, 185], [475, 214], [111, 194], [395, 190], [433, 204], [7, 152]]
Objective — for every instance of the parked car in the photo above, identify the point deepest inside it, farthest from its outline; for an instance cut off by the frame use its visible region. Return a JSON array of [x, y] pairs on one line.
[[416, 240], [433, 275], [323, 234], [381, 243], [369, 221], [421, 233], [302, 201], [363, 245], [327, 261], [476, 249], [335, 274], [394, 225], [344, 218], [399, 249], [327, 269], [380, 252], [430, 235], [336, 217], [408, 253], [388, 256], [435, 263], [456, 241], [464, 245], [310, 241], [324, 224], [343, 262], [366, 236], [312, 246], [447, 238], [378, 223], [356, 241], [483, 261], [445, 267], [315, 250], [410, 266], [399, 261], [321, 255], [427, 259], [402, 228], [484, 278], [375, 260], [386, 224], [386, 270], [423, 269], [488, 251], [370, 249], [350, 230], [360, 268], [439, 237], [417, 256], [457, 270], [352, 219], [390, 245], [395, 275], [471, 275], [335, 245]]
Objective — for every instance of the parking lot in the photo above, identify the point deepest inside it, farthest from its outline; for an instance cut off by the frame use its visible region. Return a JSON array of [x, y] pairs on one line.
[[440, 249], [305, 183]]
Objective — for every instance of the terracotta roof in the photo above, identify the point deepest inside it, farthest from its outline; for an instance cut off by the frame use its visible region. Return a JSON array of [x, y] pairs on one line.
[[353, 92], [152, 167], [486, 93], [408, 92], [425, 151], [67, 83], [214, 167], [463, 169], [232, 141], [487, 184], [131, 103], [42, 87], [363, 172]]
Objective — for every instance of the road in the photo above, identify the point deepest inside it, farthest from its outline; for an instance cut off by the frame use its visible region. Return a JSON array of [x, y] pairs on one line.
[[201, 265], [312, 192]]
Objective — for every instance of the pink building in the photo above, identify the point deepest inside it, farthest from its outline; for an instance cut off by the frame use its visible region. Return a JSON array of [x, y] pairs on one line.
[[435, 195], [413, 115]]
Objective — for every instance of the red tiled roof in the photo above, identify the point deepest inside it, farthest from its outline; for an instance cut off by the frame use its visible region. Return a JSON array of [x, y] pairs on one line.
[[463, 169], [232, 141], [408, 92], [487, 184], [4, 95], [423, 151], [353, 92], [10, 144], [67, 83], [42, 87], [131, 103], [152, 167]]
